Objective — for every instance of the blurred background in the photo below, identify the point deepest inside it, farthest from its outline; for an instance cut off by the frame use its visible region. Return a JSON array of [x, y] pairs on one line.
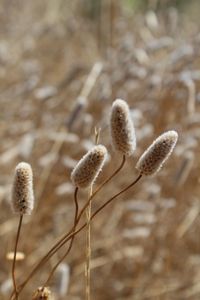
[[62, 63]]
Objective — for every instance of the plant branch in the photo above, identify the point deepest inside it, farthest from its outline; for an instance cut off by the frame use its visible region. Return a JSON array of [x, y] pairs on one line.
[[15, 254], [71, 242]]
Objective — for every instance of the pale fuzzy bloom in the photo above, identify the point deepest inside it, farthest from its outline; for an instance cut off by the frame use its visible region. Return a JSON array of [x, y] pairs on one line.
[[153, 158], [88, 168], [22, 191], [42, 293], [122, 128]]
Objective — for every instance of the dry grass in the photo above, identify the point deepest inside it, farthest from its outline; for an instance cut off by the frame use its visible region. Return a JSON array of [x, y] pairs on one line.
[[145, 245]]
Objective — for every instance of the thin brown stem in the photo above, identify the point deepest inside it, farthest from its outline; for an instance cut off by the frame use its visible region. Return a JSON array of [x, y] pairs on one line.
[[68, 237], [100, 208], [71, 242], [88, 247], [110, 177], [15, 254], [101, 186], [55, 248], [115, 196]]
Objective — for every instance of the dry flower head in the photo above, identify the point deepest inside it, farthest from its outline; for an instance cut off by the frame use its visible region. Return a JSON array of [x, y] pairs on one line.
[[42, 293], [22, 192], [158, 152], [88, 168], [122, 129]]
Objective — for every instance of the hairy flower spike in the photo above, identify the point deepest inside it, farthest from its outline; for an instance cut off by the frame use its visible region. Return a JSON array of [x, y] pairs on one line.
[[22, 192], [42, 293], [153, 158], [88, 168], [122, 129]]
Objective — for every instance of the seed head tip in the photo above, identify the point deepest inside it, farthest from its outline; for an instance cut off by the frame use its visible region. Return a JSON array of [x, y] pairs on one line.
[[122, 128]]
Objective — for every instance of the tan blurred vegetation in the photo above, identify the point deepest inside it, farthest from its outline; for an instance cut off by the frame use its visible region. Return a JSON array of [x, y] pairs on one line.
[[146, 244]]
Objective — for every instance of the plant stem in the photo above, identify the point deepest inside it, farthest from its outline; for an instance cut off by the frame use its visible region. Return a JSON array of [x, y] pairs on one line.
[[71, 242], [15, 254], [88, 247], [67, 238], [115, 196]]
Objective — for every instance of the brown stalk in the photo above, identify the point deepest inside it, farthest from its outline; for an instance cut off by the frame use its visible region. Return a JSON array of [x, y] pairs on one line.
[[55, 248], [88, 233], [88, 248], [100, 208], [67, 238], [71, 242], [15, 254]]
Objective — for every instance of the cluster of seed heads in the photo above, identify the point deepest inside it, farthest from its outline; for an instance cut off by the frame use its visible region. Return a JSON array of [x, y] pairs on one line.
[[122, 129], [22, 192], [124, 140], [158, 152], [89, 167]]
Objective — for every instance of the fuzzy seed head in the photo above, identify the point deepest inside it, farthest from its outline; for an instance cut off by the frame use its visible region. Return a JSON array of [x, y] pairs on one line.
[[154, 157], [22, 192], [88, 168], [122, 129], [42, 293]]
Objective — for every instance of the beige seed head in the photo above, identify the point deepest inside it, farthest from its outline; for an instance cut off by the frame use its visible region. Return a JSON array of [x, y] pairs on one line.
[[42, 293], [88, 168], [22, 192], [153, 158], [122, 129]]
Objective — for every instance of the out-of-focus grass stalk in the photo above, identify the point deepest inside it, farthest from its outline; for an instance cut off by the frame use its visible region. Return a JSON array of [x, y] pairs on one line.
[[88, 247]]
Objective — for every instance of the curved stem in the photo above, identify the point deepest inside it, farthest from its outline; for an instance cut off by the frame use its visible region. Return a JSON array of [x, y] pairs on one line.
[[111, 176], [15, 254], [77, 217], [115, 196], [68, 237], [100, 208], [71, 242], [55, 248], [101, 186]]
